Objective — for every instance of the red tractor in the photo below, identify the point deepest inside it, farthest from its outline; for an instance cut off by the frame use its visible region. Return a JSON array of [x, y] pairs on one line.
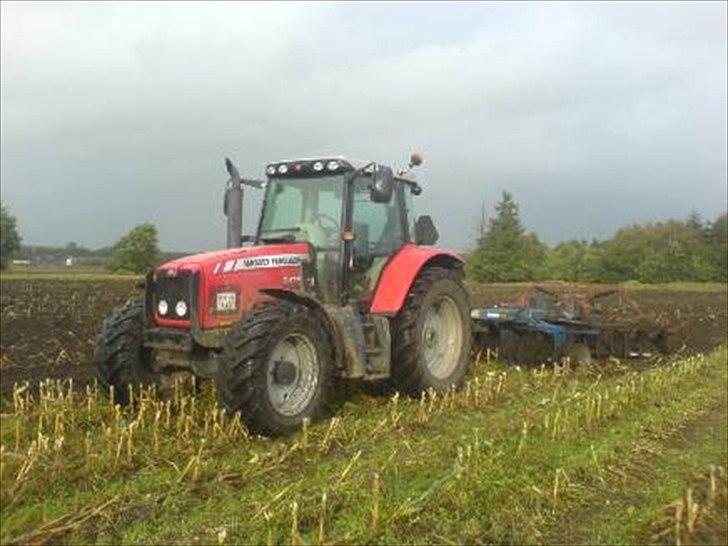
[[339, 282]]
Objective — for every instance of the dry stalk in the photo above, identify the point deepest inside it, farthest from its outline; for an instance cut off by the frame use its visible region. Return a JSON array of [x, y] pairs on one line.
[[130, 441], [594, 457], [155, 430], [268, 517], [679, 509], [555, 493], [713, 489], [522, 441], [295, 536], [348, 468], [422, 410], [323, 517], [432, 394], [236, 427], [554, 431], [119, 444], [692, 509], [304, 432], [17, 434], [24, 470], [69, 522], [329, 434], [375, 502], [394, 413]]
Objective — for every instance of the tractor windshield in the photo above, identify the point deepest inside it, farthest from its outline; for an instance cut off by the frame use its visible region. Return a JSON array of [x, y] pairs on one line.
[[303, 209], [308, 209]]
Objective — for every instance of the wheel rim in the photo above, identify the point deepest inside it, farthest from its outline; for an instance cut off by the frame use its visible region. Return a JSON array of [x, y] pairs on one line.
[[292, 374], [442, 337]]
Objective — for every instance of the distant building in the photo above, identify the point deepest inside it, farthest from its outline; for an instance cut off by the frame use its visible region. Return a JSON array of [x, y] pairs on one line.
[[21, 262]]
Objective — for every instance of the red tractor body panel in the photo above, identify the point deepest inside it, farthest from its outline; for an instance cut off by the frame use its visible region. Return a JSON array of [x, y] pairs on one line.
[[243, 271], [246, 271], [400, 272]]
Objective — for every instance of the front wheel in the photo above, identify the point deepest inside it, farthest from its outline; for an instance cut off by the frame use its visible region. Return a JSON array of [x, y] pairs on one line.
[[431, 334], [120, 358], [276, 368]]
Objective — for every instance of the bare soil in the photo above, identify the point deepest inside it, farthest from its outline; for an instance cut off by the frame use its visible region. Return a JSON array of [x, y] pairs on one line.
[[694, 320], [48, 327]]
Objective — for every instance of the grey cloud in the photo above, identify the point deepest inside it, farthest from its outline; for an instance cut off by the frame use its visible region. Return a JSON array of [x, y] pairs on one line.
[[593, 114]]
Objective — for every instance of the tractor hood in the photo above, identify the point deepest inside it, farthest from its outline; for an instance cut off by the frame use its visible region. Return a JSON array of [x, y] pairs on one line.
[[236, 260], [215, 276]]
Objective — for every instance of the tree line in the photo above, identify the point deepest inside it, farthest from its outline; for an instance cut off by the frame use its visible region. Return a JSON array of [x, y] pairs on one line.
[[693, 249], [135, 252]]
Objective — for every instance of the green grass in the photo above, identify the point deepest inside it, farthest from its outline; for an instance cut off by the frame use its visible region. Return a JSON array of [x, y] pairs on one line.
[[517, 456]]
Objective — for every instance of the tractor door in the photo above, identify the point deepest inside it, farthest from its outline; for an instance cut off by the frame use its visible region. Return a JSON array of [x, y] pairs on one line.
[[308, 210], [380, 230]]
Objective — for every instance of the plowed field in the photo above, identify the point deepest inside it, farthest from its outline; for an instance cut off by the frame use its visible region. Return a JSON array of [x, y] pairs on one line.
[[48, 326]]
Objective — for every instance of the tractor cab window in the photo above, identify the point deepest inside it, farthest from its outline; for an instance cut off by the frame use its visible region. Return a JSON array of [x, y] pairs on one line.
[[379, 233], [308, 209], [284, 207], [409, 209]]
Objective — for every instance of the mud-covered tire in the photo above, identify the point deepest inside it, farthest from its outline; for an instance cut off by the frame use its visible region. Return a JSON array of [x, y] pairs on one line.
[[246, 371], [410, 372], [120, 359]]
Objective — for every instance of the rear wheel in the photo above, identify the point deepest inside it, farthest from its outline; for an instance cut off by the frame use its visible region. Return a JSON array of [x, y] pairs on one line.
[[431, 334], [276, 367], [120, 359]]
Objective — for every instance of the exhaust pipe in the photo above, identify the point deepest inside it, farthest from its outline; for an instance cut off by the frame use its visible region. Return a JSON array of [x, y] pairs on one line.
[[233, 205]]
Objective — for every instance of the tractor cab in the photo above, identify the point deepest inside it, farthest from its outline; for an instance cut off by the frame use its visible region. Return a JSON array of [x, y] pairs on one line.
[[353, 214]]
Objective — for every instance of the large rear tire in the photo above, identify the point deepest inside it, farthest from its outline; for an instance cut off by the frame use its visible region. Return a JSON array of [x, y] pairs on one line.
[[120, 359], [276, 367], [431, 333]]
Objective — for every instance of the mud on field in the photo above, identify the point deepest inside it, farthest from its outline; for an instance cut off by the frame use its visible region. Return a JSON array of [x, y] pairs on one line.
[[695, 320], [48, 327]]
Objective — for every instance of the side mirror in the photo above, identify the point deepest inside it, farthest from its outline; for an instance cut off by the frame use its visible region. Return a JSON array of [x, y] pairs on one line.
[[382, 184], [425, 231]]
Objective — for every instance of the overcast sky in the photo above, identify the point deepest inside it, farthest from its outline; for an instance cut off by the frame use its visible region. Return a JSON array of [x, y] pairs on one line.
[[592, 115]]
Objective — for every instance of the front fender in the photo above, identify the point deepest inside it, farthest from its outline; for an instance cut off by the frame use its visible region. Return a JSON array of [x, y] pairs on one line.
[[401, 271]]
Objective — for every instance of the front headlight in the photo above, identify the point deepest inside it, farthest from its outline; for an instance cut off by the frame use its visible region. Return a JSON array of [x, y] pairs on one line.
[[181, 308], [162, 307]]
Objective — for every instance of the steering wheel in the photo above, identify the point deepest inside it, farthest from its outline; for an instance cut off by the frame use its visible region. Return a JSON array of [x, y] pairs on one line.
[[334, 223]]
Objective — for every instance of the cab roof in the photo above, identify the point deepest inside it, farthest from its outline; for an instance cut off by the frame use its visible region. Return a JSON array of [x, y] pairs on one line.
[[320, 166]]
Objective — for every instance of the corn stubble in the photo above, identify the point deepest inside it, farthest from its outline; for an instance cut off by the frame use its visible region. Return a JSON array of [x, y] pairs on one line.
[[378, 483]]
